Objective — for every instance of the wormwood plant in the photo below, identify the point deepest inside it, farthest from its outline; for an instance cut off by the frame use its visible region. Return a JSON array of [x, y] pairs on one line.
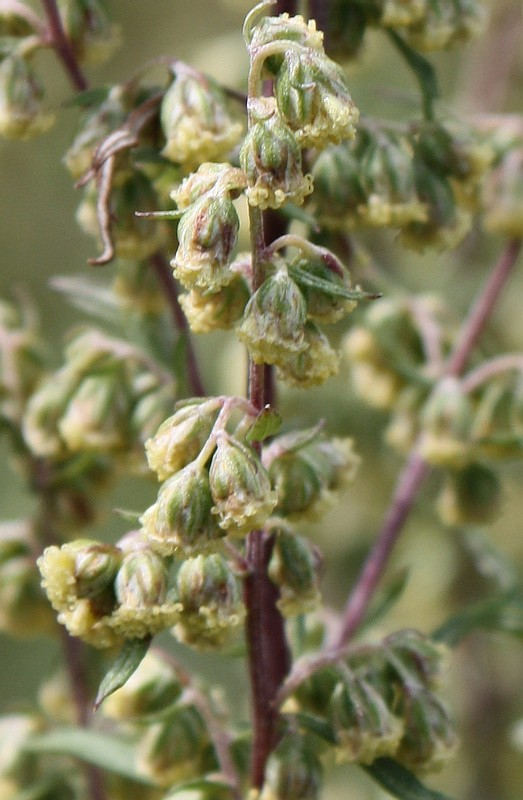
[[173, 175]]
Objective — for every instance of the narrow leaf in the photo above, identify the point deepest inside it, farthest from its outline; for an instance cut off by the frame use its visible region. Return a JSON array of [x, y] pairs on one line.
[[316, 725], [422, 69], [267, 423], [304, 278], [112, 753], [501, 613], [128, 660], [400, 782], [94, 298], [389, 597]]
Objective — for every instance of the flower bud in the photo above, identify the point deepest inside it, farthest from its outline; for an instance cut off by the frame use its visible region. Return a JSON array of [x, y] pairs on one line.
[[181, 521], [87, 26], [315, 364], [446, 22], [44, 411], [207, 236], [95, 569], [21, 112], [271, 159], [446, 420], [211, 311], [503, 195], [180, 438], [153, 687], [401, 13], [430, 737], [419, 654], [294, 567], [150, 410], [209, 177], [306, 469], [322, 306], [97, 413], [313, 99], [240, 487], [20, 363], [293, 771], [212, 608], [293, 29], [364, 725], [24, 610], [314, 693], [195, 121], [273, 323], [471, 496], [338, 190], [141, 580]]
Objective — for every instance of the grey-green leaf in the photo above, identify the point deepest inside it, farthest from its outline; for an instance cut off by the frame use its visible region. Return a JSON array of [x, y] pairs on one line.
[[400, 782], [127, 662], [500, 613], [304, 278], [112, 753], [267, 423]]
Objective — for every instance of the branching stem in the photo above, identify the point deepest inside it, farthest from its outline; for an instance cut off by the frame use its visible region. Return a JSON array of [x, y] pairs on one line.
[[62, 45]]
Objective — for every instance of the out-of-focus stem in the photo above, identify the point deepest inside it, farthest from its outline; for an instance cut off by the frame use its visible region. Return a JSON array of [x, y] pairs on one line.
[[62, 45], [170, 288], [416, 468]]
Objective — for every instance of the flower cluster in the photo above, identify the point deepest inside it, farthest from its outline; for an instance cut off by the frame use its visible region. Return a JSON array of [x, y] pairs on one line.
[[425, 183], [385, 703]]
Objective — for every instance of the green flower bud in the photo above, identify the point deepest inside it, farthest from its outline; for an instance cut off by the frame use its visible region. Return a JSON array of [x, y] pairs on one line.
[[314, 693], [271, 159], [430, 737], [141, 580], [172, 751], [293, 771], [210, 311], [307, 470], [83, 617], [323, 307], [207, 236], [313, 99], [274, 320], [181, 521], [345, 30], [150, 410], [338, 189], [93, 37], [44, 411], [180, 438], [446, 22], [21, 112], [24, 610], [446, 421], [446, 225], [294, 567], [209, 177], [401, 13], [471, 496], [419, 654], [20, 363], [97, 414], [212, 607], [364, 725], [95, 569], [195, 121], [294, 29], [152, 688], [137, 291], [503, 195], [240, 487], [453, 151], [315, 364]]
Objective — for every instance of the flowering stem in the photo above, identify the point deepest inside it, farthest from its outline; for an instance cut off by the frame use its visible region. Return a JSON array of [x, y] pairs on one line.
[[268, 653], [60, 42], [170, 288], [416, 468]]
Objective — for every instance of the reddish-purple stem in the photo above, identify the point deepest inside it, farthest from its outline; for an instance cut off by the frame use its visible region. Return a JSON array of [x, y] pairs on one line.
[[416, 468], [62, 45], [167, 282]]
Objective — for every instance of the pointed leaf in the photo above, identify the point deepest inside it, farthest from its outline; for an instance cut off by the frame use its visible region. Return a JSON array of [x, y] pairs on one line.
[[499, 613], [112, 753], [316, 725], [400, 782], [127, 662], [91, 97], [267, 423], [304, 278], [127, 514], [94, 298], [422, 69]]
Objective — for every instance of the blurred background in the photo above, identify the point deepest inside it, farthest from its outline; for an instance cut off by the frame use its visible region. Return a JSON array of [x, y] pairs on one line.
[[39, 239]]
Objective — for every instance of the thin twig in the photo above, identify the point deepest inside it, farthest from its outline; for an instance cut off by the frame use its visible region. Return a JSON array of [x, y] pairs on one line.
[[62, 45], [507, 363], [416, 468], [166, 280]]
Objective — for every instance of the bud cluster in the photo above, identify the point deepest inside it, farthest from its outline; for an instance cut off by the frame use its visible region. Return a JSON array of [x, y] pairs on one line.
[[385, 702], [106, 399], [424, 182]]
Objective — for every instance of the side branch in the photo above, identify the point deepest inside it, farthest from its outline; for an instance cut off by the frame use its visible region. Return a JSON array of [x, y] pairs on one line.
[[62, 45], [416, 468]]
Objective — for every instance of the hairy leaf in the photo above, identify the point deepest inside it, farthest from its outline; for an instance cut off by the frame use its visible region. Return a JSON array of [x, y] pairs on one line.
[[127, 662]]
